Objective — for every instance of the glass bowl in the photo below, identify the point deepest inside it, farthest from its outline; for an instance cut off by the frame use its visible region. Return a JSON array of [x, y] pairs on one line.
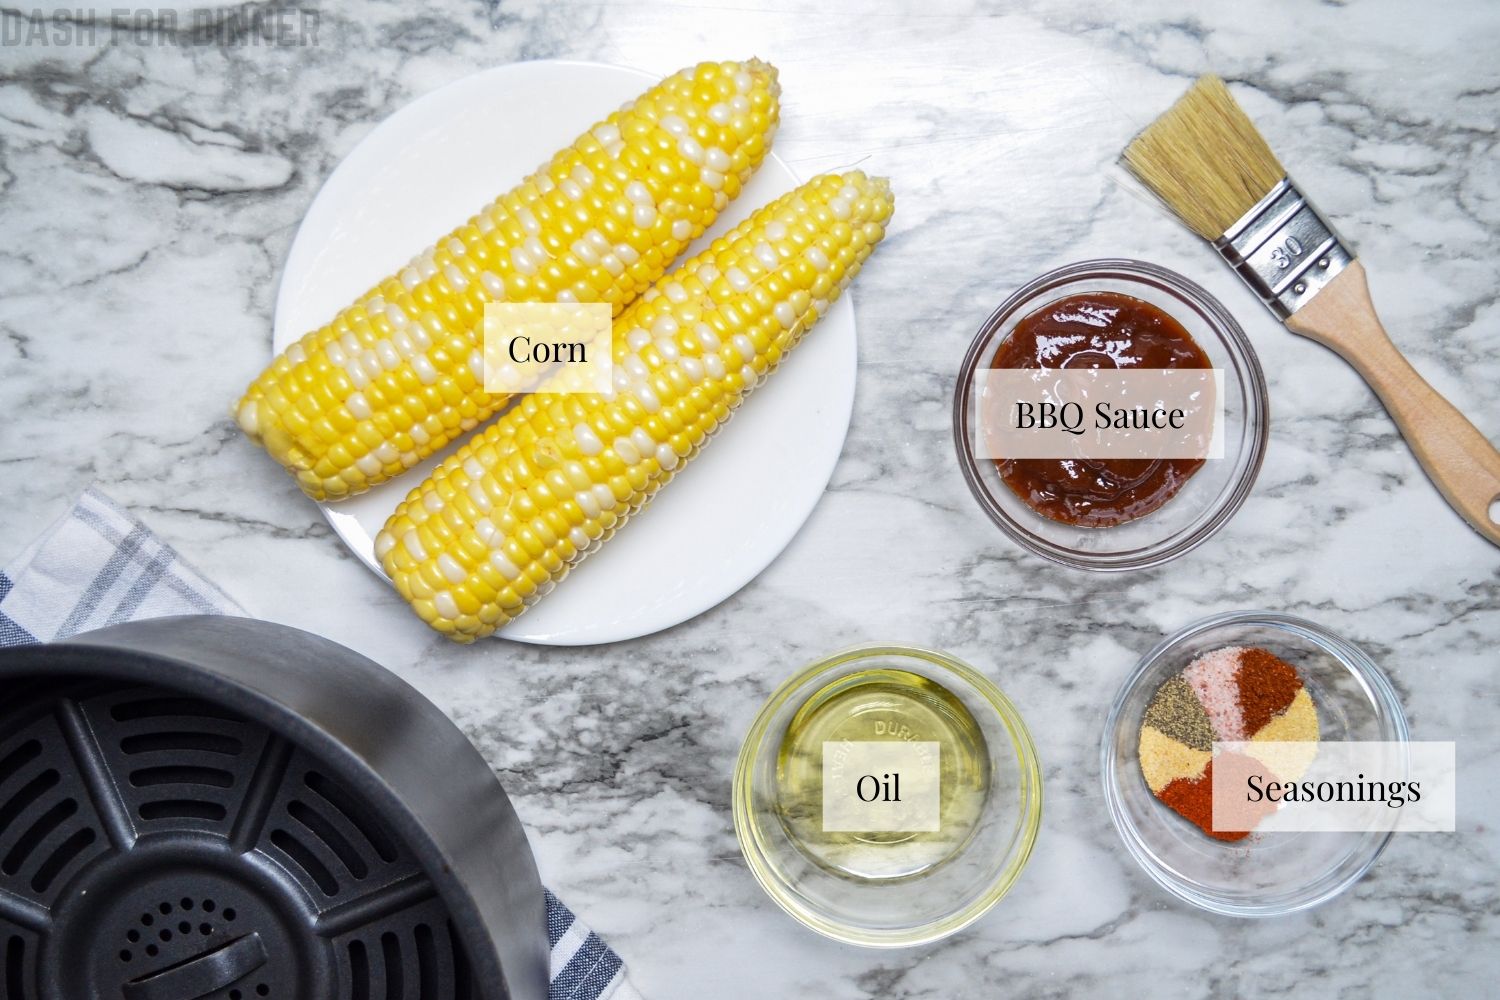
[[1268, 874], [935, 901], [1208, 499]]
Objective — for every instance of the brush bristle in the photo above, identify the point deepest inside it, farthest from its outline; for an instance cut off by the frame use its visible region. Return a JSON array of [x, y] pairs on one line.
[[1205, 159]]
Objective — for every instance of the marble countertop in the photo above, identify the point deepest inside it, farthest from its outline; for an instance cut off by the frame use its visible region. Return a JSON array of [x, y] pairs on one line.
[[148, 195]]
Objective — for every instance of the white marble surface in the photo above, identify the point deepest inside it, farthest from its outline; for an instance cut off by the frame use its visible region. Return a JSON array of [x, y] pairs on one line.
[[147, 198]]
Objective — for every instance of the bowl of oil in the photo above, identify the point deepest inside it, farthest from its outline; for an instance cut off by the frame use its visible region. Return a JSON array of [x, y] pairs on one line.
[[887, 795]]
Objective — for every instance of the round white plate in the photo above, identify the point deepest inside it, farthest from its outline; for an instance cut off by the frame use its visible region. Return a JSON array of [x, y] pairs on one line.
[[429, 167]]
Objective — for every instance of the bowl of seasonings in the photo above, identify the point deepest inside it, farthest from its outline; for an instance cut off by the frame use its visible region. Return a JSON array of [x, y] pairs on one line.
[[1244, 677], [887, 795], [1112, 513]]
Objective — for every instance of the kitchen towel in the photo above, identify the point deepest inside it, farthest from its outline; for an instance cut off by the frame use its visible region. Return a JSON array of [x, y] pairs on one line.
[[98, 566]]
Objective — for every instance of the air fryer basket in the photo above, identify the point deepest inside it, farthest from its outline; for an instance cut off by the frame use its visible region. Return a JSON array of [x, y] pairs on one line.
[[226, 809]]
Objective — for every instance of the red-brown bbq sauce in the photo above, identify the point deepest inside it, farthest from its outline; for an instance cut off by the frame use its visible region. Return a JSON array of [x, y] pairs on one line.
[[1098, 330]]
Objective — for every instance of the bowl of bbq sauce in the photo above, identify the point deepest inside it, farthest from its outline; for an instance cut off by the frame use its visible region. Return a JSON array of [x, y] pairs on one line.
[[1113, 513]]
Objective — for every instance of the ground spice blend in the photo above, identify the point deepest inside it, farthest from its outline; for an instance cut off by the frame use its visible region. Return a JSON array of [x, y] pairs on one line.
[[1226, 695]]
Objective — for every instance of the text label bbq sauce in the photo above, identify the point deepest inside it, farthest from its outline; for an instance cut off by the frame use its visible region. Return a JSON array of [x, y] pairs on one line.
[[1098, 330]]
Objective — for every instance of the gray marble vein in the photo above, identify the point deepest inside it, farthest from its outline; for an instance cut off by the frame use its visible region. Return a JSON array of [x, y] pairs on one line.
[[149, 193]]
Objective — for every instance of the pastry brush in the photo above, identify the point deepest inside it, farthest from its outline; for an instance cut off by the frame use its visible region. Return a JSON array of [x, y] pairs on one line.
[[1214, 170]]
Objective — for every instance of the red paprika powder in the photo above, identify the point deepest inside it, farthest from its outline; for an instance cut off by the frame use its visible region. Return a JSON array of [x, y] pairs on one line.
[[1193, 800]]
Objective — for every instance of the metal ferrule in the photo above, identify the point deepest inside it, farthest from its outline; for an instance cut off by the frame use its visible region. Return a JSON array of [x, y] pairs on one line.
[[1284, 249]]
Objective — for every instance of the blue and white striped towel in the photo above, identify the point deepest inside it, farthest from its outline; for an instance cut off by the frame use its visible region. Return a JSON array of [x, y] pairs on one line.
[[99, 566]]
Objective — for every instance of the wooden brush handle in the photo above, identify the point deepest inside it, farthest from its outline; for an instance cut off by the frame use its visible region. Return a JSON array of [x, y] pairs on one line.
[[1458, 459]]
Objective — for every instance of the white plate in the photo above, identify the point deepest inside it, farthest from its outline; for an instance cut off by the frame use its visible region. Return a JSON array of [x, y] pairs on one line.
[[429, 167]]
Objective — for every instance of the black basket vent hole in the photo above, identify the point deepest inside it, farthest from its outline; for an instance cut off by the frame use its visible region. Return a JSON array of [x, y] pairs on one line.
[[209, 921]]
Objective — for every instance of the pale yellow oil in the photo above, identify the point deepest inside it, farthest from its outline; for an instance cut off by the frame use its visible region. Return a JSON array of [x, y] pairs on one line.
[[873, 705]]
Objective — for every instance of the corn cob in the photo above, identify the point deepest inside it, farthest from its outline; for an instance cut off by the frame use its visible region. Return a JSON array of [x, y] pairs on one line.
[[398, 374], [503, 519]]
